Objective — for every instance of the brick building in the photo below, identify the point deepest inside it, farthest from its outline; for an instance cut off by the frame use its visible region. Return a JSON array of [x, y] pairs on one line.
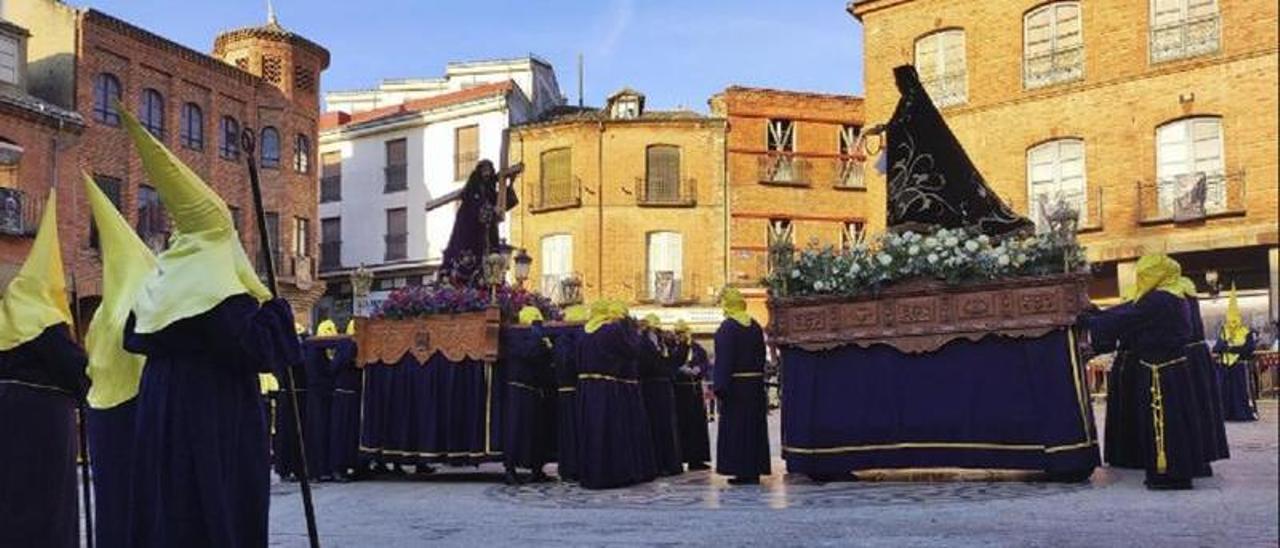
[[264, 78], [1155, 118], [627, 201], [794, 173], [37, 151]]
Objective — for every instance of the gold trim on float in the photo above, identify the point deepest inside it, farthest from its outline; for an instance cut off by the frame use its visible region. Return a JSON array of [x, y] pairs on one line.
[[35, 386], [610, 378], [488, 406], [936, 445], [748, 375], [400, 453], [528, 387], [1075, 376], [567, 389]]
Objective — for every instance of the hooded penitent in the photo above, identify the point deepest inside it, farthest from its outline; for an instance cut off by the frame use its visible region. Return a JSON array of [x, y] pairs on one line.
[[577, 314], [735, 306], [127, 263], [1157, 271], [327, 329], [205, 263], [36, 298], [530, 315], [1233, 329]]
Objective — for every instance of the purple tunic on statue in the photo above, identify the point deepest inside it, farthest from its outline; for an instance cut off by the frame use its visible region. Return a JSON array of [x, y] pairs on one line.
[[40, 382], [475, 230], [200, 474], [1157, 331], [742, 447], [617, 447]]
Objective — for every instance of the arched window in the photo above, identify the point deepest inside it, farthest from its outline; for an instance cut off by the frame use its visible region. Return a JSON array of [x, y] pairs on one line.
[[1187, 150], [192, 131], [556, 180], [229, 141], [665, 266], [106, 92], [301, 154], [940, 61], [1184, 28], [662, 174], [269, 143], [1055, 175], [151, 112], [1052, 47]]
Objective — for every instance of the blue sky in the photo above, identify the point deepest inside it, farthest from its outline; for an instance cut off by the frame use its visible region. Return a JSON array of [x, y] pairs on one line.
[[678, 52]]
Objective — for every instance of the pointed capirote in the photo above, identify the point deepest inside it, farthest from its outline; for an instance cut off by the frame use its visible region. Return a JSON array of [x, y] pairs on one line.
[[36, 298], [127, 263], [205, 263]]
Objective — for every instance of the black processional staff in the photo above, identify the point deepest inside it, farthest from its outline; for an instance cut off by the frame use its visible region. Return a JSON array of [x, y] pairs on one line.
[[264, 240], [82, 416]]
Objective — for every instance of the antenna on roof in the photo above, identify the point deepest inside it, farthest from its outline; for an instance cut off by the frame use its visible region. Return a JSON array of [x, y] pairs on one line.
[[580, 101], [271, 14]]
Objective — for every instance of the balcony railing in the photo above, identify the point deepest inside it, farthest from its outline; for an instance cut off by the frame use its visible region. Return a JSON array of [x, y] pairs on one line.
[[1054, 67], [1191, 198], [850, 174], [397, 178], [331, 188], [463, 164], [667, 288], [330, 255], [1087, 205], [397, 247], [1187, 38], [784, 169], [550, 196], [947, 89], [666, 193], [19, 213], [300, 269], [562, 289]]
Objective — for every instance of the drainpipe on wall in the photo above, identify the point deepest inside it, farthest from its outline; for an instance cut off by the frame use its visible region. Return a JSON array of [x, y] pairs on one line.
[[600, 208], [724, 203]]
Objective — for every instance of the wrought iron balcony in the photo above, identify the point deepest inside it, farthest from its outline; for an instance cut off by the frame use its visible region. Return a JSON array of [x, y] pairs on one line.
[[562, 289], [947, 89], [330, 255], [396, 178], [1192, 197], [678, 193], [667, 288], [553, 195], [397, 246], [1055, 67], [331, 188], [1187, 38], [850, 173], [19, 213], [779, 168]]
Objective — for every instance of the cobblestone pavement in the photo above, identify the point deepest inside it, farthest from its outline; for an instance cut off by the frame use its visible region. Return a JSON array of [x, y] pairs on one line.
[[465, 507]]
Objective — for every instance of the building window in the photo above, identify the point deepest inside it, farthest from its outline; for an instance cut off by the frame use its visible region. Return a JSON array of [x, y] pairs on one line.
[[852, 233], [270, 145], [304, 79], [1053, 50], [110, 186], [940, 61], [273, 243], [780, 164], [301, 237], [1184, 28], [556, 178], [301, 154], [662, 175], [397, 237], [331, 243], [781, 136], [396, 170], [106, 93], [556, 265], [781, 240], [153, 222], [665, 267], [9, 59], [1056, 177], [229, 147], [272, 69], [192, 131], [849, 172], [466, 147], [331, 176], [1187, 150], [151, 113]]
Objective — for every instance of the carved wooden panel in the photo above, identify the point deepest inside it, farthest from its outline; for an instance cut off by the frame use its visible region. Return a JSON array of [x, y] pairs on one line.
[[458, 336], [924, 315]]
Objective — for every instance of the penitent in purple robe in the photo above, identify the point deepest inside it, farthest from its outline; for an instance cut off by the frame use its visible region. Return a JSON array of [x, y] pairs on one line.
[[200, 473], [616, 445], [1213, 431], [656, 376], [691, 408], [527, 358], [1122, 447], [40, 382], [1157, 331], [566, 364], [1236, 380], [742, 446]]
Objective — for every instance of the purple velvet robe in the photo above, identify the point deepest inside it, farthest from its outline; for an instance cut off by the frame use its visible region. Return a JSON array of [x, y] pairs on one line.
[[742, 447], [616, 444]]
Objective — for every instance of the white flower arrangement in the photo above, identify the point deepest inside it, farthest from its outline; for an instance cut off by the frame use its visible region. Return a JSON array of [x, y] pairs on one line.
[[952, 255]]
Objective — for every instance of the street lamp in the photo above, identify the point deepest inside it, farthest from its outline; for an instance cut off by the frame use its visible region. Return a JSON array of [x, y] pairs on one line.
[[522, 263], [1211, 279]]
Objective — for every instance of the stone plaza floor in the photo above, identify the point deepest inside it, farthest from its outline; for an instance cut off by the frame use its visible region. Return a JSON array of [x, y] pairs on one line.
[[468, 507]]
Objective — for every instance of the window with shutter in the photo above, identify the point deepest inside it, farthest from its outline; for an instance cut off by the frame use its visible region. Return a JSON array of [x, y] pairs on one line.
[[666, 265], [9, 59], [466, 146], [396, 171], [940, 61], [331, 176], [556, 178], [1053, 50], [1056, 176], [1190, 146], [331, 242], [1184, 28], [397, 234], [662, 174]]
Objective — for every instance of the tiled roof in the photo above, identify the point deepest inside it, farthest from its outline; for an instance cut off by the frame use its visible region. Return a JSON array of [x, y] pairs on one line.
[[41, 110], [333, 120], [794, 93]]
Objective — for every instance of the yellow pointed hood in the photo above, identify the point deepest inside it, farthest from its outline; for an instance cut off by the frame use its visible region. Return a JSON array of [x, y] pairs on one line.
[[735, 306], [126, 265], [530, 315], [37, 297], [327, 328], [205, 263], [600, 315], [351, 326], [1157, 271]]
